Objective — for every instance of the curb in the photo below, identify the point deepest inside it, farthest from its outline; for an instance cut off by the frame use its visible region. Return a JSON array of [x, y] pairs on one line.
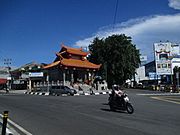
[[78, 94], [37, 93], [14, 129]]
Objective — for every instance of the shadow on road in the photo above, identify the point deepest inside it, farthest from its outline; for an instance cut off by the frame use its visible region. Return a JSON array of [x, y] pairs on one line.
[[108, 110], [105, 104]]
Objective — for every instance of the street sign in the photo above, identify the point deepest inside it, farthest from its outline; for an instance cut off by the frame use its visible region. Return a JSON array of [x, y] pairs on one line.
[[36, 74], [154, 76]]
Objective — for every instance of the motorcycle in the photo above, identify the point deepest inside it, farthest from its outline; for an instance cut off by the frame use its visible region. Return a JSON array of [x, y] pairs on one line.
[[120, 103]]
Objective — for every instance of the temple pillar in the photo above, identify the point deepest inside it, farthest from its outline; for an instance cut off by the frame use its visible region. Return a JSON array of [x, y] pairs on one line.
[[64, 77], [92, 77], [30, 84], [85, 76]]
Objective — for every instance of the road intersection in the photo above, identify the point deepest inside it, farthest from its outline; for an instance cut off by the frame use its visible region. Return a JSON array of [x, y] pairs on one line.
[[79, 115]]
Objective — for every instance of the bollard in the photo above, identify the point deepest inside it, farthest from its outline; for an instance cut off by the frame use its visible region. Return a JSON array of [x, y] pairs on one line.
[[5, 117]]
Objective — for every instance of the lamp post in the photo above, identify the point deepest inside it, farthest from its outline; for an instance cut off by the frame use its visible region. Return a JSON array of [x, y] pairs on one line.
[[7, 62], [177, 77]]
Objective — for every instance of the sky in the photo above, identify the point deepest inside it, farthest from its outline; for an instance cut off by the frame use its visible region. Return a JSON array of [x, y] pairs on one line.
[[33, 30]]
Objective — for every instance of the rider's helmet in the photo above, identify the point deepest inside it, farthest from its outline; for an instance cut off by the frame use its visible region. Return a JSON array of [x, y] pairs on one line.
[[115, 87]]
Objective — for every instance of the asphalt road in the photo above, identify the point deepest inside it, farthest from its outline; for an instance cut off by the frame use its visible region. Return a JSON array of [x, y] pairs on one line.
[[90, 115]]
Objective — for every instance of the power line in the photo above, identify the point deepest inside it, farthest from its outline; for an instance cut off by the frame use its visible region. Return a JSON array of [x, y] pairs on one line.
[[115, 13]]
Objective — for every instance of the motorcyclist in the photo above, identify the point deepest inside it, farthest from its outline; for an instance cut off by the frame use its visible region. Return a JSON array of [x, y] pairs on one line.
[[117, 93]]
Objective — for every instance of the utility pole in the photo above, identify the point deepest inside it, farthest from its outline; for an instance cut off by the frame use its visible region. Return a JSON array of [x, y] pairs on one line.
[[7, 62], [177, 77]]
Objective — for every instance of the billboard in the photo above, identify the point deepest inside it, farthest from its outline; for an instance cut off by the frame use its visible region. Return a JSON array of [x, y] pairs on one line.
[[164, 52]]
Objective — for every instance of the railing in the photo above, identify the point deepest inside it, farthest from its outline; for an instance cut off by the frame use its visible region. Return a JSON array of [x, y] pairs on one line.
[[44, 86]]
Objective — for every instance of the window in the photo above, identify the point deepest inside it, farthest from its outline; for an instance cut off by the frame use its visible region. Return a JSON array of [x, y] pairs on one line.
[[66, 87], [158, 66], [163, 56], [169, 65], [164, 65]]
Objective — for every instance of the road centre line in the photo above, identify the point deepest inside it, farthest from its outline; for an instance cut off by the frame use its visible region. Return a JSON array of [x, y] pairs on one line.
[[17, 126], [167, 100]]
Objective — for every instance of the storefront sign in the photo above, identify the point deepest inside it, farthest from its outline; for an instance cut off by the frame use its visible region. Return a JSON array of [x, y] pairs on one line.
[[36, 74], [153, 76]]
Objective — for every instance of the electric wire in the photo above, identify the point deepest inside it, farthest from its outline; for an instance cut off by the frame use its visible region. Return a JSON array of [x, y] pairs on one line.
[[115, 14]]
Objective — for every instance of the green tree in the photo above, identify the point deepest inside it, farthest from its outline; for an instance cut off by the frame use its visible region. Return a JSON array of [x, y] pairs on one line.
[[118, 56]]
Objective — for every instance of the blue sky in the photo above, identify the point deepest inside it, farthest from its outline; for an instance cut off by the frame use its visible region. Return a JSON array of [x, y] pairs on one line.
[[33, 30]]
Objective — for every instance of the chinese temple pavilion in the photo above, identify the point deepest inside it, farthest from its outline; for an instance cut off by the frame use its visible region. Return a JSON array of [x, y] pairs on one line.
[[71, 65]]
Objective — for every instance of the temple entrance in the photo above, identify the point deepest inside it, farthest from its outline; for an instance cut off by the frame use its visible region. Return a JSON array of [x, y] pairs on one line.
[[78, 76], [75, 74]]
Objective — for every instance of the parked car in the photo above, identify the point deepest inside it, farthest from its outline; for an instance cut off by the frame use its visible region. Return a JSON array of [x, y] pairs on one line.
[[58, 90]]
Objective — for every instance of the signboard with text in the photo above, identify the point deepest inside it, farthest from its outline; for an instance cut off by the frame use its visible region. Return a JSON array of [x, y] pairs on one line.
[[36, 74], [164, 52]]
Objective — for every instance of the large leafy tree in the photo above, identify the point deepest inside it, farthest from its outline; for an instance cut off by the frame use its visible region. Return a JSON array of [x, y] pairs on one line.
[[118, 56]]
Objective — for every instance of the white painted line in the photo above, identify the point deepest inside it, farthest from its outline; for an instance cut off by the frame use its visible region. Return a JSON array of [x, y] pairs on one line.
[[76, 94], [162, 99], [17, 126], [46, 94], [86, 94], [96, 93], [40, 93], [159, 94], [110, 92], [8, 132], [103, 92]]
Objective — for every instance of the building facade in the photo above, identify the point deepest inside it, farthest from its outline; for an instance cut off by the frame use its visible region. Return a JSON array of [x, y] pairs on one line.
[[71, 65], [164, 53], [25, 76]]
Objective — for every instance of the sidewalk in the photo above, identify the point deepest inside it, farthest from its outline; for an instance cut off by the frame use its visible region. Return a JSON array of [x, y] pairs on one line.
[[9, 129], [13, 92], [13, 128]]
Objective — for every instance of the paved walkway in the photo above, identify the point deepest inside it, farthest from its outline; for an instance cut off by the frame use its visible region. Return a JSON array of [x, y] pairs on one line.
[[9, 129], [13, 91]]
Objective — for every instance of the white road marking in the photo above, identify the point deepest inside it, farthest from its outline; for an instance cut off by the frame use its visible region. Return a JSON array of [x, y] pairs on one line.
[[17, 126], [158, 94], [164, 99]]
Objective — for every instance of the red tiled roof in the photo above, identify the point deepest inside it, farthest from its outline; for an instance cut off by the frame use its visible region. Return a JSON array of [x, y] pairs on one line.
[[79, 63], [51, 65], [76, 51], [74, 63]]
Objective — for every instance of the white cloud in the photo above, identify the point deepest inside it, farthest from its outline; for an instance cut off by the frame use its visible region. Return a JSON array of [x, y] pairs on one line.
[[144, 32], [174, 4]]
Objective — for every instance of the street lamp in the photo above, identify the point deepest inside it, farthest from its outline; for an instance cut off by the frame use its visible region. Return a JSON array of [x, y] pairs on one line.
[[177, 77]]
